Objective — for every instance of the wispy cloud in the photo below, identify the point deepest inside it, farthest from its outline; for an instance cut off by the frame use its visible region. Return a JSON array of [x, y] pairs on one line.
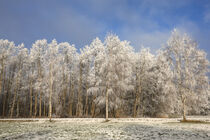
[[207, 13]]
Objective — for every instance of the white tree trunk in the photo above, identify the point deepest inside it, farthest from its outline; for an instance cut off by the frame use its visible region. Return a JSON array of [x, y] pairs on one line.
[[40, 104], [183, 108], [31, 97], [1, 75], [107, 106], [16, 92], [79, 102], [51, 90]]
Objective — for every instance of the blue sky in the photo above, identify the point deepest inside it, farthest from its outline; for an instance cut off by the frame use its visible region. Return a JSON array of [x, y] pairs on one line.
[[142, 22]]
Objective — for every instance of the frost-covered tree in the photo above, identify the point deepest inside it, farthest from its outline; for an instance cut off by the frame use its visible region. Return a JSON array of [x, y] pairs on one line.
[[21, 61], [73, 84], [87, 54], [96, 89], [161, 89], [82, 60], [7, 50], [116, 72], [67, 58], [37, 53], [187, 62], [51, 67], [105, 79], [143, 62], [31, 79]]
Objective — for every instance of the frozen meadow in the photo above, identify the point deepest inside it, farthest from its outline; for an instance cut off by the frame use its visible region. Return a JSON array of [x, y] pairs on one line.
[[97, 128]]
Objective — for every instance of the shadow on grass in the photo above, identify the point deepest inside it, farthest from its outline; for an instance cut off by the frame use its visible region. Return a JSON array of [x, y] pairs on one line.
[[194, 121], [18, 120], [105, 121]]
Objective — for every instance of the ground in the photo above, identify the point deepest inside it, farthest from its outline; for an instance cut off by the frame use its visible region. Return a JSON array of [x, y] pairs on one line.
[[88, 128]]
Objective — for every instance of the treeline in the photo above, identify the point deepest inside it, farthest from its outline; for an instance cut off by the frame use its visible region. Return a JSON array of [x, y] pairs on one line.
[[106, 79]]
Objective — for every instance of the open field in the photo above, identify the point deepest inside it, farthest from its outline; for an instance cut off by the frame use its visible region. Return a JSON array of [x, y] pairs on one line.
[[88, 128]]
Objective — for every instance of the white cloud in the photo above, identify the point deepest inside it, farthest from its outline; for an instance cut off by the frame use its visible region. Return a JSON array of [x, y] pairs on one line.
[[153, 40], [200, 35], [78, 27], [206, 13], [207, 16]]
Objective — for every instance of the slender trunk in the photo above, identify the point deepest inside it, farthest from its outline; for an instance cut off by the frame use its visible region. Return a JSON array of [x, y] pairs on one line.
[[64, 97], [107, 107], [17, 115], [13, 104], [70, 109], [31, 98], [1, 75], [86, 105], [44, 109], [35, 106], [14, 98], [71, 99], [4, 95], [137, 95], [93, 107], [179, 70], [4, 102], [8, 96], [26, 110], [64, 90], [138, 98], [117, 113], [51, 90], [40, 89], [188, 82], [86, 97], [79, 102], [183, 108], [135, 105], [58, 103], [86, 101], [40, 104]]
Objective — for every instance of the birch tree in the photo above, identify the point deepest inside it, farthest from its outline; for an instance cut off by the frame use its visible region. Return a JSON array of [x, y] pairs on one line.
[[144, 61], [21, 59], [161, 95], [37, 53], [51, 67], [67, 59], [117, 72], [186, 61], [96, 87], [7, 50]]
